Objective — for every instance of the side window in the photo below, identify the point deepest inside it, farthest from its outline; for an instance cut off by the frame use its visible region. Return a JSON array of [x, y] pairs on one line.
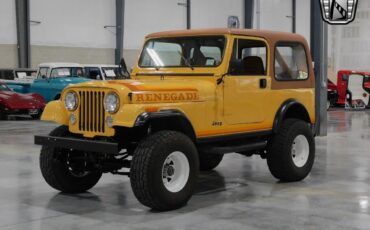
[[249, 58], [290, 61], [93, 73], [43, 72]]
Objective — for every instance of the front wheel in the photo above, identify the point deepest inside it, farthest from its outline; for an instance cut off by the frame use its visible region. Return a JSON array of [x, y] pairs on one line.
[[164, 170], [291, 151], [67, 170]]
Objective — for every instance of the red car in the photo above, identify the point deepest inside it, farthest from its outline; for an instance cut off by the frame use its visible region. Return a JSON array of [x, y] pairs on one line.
[[342, 83], [19, 104]]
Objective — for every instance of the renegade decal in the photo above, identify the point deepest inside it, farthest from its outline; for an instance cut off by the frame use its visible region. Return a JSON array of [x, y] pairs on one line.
[[166, 97]]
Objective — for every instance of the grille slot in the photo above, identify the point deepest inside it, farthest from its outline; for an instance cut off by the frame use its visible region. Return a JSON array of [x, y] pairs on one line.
[[91, 113]]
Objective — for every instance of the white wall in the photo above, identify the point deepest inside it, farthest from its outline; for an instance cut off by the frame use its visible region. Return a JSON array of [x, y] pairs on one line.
[[214, 13], [8, 29], [349, 45], [8, 35], [276, 15], [303, 18], [273, 15], [73, 23], [146, 16]]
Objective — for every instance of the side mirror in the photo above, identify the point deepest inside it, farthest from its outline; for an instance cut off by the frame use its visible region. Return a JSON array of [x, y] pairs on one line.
[[43, 76], [98, 77]]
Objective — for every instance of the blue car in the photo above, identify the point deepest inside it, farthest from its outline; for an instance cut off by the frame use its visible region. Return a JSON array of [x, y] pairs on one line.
[[51, 79]]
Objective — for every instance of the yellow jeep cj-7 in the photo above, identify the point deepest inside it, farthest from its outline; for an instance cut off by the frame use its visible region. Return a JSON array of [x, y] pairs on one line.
[[193, 96]]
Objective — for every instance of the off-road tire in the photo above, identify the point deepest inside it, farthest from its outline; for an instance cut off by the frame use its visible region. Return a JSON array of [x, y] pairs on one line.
[[147, 165], [279, 151], [208, 162], [55, 171]]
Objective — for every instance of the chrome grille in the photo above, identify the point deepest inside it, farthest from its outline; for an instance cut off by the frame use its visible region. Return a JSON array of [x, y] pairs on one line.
[[91, 112]]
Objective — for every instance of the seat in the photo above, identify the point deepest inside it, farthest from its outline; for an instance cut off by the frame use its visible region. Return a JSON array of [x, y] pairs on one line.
[[198, 58], [253, 65]]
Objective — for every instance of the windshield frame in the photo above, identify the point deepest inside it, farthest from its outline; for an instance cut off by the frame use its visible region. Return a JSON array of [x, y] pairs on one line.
[[223, 53]]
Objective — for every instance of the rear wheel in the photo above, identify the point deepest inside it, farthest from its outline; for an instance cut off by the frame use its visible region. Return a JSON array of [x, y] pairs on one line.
[[164, 170], [67, 170], [207, 162], [291, 152]]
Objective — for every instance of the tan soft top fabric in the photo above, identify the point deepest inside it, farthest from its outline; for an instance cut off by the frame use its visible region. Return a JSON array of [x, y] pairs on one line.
[[266, 34], [272, 37]]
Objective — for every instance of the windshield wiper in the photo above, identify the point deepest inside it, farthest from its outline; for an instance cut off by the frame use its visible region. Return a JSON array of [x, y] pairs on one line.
[[186, 61]]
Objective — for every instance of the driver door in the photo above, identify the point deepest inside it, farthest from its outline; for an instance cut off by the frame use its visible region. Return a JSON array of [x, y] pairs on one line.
[[42, 84], [246, 88]]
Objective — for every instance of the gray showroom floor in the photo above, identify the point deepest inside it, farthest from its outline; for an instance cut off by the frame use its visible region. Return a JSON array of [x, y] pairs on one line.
[[240, 194]]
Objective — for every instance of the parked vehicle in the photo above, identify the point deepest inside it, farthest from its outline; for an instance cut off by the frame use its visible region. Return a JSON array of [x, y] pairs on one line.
[[103, 72], [18, 74], [194, 96], [357, 96], [51, 79], [342, 83], [12, 103], [332, 94]]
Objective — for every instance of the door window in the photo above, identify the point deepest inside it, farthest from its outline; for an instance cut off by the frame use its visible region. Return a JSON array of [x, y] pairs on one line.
[[249, 58], [290, 62], [43, 71], [93, 73]]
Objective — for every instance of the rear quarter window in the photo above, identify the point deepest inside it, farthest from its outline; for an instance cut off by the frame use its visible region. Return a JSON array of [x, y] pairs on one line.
[[290, 62]]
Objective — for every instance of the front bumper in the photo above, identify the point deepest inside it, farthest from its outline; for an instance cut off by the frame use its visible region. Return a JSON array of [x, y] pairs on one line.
[[78, 144]]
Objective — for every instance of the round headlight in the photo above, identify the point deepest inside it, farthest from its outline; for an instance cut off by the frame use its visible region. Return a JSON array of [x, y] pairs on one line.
[[111, 102], [70, 101]]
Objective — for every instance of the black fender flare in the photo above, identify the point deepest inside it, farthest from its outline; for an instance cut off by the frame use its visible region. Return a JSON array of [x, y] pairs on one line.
[[282, 111], [146, 117]]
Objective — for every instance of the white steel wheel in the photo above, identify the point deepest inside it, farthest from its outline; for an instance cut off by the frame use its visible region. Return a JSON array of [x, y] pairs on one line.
[[175, 171], [300, 151]]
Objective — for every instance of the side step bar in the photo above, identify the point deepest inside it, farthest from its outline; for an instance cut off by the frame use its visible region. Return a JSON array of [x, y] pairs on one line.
[[235, 148]]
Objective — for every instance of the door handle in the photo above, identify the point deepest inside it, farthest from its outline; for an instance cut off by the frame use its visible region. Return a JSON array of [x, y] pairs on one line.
[[263, 83]]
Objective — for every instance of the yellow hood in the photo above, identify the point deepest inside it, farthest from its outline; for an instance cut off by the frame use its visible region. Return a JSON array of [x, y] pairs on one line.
[[157, 91]]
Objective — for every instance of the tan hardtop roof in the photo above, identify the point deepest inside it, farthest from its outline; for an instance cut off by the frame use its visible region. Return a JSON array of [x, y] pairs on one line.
[[268, 35]]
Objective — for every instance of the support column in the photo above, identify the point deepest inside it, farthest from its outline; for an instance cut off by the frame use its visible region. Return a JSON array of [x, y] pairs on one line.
[[23, 33], [294, 16], [188, 14], [120, 22], [319, 50], [248, 13]]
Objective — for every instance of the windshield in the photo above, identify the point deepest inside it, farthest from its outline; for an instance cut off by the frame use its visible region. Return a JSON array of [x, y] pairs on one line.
[[4, 87], [67, 72], [112, 73], [205, 51]]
